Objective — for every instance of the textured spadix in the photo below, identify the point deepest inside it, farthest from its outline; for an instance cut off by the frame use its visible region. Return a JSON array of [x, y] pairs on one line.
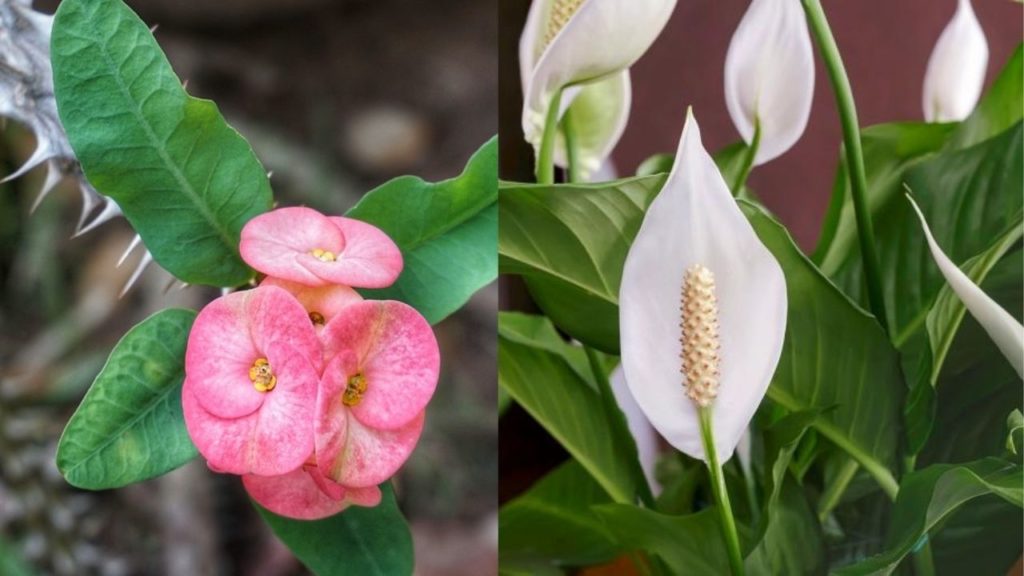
[[573, 43], [769, 75], [695, 221], [1005, 331], [600, 109], [956, 68]]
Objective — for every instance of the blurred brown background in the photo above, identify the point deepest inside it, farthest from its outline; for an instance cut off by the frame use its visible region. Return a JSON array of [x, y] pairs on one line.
[[336, 97], [885, 46]]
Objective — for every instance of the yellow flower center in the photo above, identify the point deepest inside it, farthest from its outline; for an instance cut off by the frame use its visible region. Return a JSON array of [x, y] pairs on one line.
[[317, 318], [561, 13], [323, 255], [354, 391], [699, 324], [262, 376]]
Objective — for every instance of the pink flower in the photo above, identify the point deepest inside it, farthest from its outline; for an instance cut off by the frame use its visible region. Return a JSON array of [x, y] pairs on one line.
[[252, 366], [305, 493], [382, 368], [322, 303], [302, 245]]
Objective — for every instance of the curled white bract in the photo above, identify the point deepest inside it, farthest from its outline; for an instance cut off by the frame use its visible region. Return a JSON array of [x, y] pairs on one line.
[[769, 76], [583, 49], [695, 222], [1003, 328]]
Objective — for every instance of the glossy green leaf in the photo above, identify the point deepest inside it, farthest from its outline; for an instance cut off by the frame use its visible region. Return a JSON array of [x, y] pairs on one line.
[[927, 496], [834, 355], [447, 233], [183, 177], [1015, 432], [129, 427], [569, 242], [366, 541], [539, 376], [552, 526], [986, 537], [690, 544]]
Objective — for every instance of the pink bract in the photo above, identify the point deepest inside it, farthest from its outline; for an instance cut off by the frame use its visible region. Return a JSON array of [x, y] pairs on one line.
[[236, 427], [305, 494], [388, 349], [322, 303], [302, 245]]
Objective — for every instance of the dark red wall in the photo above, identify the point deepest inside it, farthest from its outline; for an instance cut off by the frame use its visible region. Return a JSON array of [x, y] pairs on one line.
[[885, 46]]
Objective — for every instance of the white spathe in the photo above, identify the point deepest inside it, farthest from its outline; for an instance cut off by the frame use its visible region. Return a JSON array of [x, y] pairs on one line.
[[695, 220], [639, 426], [1003, 328], [769, 76], [589, 57], [956, 68]]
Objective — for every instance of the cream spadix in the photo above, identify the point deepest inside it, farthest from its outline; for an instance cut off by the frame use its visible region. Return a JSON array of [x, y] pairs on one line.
[[769, 76], [585, 48], [956, 68], [702, 307], [1005, 331]]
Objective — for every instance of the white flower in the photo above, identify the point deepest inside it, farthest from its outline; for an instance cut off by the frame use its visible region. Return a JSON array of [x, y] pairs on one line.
[[639, 426], [585, 47], [769, 75], [956, 69], [695, 250], [1005, 331]]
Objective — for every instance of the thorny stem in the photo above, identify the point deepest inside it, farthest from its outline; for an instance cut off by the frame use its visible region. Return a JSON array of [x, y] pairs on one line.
[[545, 173], [748, 160], [721, 493], [854, 154]]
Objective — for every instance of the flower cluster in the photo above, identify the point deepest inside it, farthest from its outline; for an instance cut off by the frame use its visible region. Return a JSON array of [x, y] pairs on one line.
[[310, 393]]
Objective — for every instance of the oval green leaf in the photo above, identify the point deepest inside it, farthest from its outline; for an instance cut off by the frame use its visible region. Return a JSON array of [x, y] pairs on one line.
[[447, 232], [183, 177], [129, 427]]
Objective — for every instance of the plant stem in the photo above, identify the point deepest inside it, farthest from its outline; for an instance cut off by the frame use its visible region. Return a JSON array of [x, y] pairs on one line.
[[546, 155], [834, 491], [721, 493], [748, 160], [572, 150], [854, 155]]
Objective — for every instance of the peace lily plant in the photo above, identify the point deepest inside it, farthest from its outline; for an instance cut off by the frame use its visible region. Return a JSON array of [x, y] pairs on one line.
[[853, 376]]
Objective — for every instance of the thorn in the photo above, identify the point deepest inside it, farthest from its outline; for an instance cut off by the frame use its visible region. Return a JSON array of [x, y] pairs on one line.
[[131, 247], [143, 263], [53, 177], [184, 85], [41, 154], [154, 28], [269, 174], [184, 285], [110, 210]]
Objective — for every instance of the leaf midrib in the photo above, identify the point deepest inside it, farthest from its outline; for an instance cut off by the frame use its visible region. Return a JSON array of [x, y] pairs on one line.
[[170, 165]]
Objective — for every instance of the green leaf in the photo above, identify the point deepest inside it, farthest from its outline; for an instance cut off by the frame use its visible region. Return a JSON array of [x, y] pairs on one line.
[[834, 355], [129, 427], [690, 544], [927, 496], [541, 378], [569, 242], [183, 177], [366, 541], [983, 538], [446, 231], [552, 526], [11, 563]]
